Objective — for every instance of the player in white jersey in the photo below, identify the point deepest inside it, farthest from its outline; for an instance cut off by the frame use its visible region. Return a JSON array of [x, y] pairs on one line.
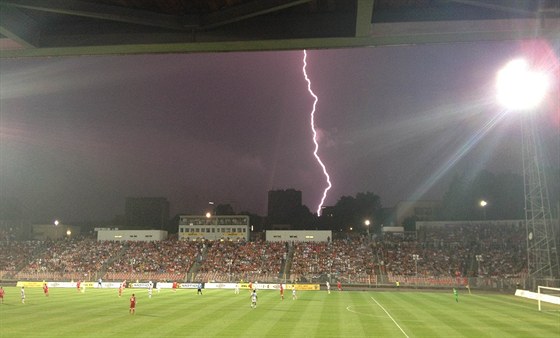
[[254, 299], [150, 289]]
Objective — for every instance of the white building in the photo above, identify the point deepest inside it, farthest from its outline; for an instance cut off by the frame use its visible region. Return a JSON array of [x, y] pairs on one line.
[[130, 235], [298, 235]]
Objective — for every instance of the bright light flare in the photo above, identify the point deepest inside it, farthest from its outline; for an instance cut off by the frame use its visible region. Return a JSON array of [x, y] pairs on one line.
[[316, 150], [520, 88]]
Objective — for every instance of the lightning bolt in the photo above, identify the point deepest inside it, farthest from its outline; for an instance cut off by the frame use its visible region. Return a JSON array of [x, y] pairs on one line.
[[315, 152]]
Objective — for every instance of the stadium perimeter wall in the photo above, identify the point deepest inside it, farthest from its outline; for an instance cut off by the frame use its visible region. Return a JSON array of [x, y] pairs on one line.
[[166, 285], [427, 283]]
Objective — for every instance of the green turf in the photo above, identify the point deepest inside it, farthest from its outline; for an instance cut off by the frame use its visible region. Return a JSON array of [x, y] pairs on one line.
[[221, 313]]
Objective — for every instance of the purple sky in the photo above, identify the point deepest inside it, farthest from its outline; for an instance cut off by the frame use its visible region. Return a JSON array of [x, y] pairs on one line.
[[80, 134]]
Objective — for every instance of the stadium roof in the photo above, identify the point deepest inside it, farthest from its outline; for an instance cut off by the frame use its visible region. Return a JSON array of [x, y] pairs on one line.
[[89, 27]]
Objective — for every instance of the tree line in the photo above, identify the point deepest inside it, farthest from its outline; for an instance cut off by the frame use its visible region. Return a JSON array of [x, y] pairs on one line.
[[503, 193]]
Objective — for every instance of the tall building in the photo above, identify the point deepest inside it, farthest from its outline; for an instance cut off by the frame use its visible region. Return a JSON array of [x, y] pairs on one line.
[[146, 212], [282, 205]]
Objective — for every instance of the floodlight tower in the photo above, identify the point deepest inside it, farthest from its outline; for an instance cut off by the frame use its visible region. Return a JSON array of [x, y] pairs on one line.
[[521, 90]]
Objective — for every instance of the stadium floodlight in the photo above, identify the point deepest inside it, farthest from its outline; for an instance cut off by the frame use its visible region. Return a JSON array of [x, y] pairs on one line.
[[519, 88], [483, 205]]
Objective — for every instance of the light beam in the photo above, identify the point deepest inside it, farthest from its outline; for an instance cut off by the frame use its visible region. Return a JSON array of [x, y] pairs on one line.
[[316, 150]]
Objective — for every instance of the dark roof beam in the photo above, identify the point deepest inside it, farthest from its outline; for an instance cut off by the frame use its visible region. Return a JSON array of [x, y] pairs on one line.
[[106, 12], [19, 27], [246, 11], [497, 7], [364, 10]]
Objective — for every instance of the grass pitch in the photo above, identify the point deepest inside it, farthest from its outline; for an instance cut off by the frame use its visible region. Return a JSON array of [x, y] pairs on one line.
[[221, 313]]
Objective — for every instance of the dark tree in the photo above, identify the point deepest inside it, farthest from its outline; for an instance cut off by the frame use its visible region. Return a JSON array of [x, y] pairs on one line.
[[503, 193], [354, 211]]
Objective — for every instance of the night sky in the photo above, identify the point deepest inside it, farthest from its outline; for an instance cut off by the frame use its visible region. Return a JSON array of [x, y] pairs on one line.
[[80, 134]]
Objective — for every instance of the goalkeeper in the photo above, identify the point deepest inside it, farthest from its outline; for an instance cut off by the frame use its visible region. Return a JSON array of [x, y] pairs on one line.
[[456, 294]]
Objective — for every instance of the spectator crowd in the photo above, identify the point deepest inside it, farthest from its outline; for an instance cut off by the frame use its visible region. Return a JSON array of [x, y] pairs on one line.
[[444, 251]]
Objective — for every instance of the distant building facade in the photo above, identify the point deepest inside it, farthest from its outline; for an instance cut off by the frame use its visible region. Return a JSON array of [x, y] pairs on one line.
[[146, 212], [226, 228]]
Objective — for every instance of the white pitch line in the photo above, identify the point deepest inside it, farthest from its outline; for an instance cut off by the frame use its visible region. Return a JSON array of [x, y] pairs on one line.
[[394, 321]]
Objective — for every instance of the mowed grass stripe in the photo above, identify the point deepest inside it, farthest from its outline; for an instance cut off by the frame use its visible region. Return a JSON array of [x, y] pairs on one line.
[[278, 315], [329, 313], [236, 320], [47, 316], [470, 312], [540, 325], [115, 320], [360, 323], [221, 313], [389, 312], [285, 316], [242, 320], [519, 318], [407, 313], [416, 320], [494, 321], [498, 322], [308, 307], [175, 309], [204, 315], [49, 312], [455, 320], [448, 317]]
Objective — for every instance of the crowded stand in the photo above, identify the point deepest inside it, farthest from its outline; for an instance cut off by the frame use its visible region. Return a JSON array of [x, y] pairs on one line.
[[445, 252], [341, 258], [244, 260], [169, 259], [455, 252], [14, 254], [71, 258]]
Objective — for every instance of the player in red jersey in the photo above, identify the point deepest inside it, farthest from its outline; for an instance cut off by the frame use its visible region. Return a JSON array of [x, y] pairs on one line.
[[339, 286], [78, 285], [121, 287], [46, 289], [132, 309], [281, 292], [1, 295]]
